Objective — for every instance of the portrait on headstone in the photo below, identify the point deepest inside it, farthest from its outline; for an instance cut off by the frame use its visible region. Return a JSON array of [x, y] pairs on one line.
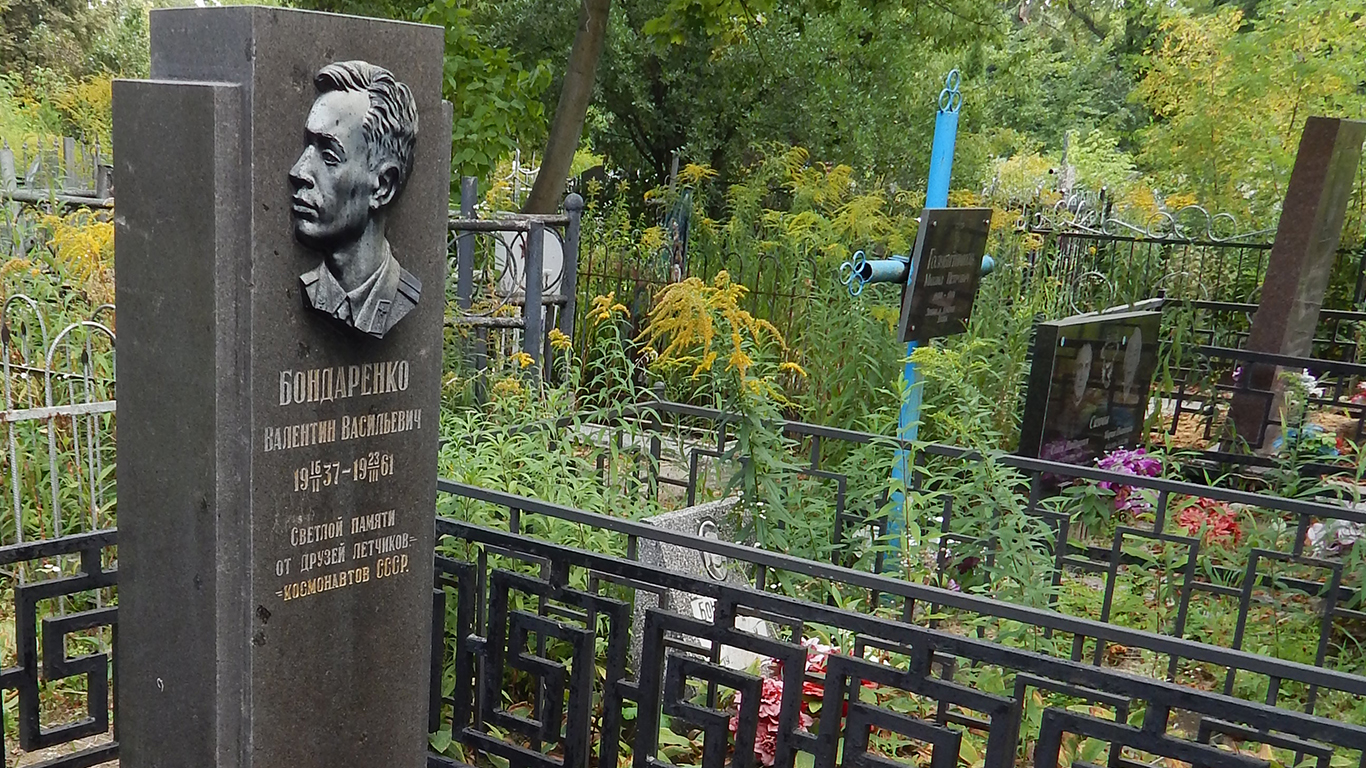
[[1081, 374], [358, 153], [1089, 385], [1133, 357]]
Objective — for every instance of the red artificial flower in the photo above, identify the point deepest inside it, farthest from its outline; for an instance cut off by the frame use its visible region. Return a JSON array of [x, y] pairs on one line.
[[1218, 523]]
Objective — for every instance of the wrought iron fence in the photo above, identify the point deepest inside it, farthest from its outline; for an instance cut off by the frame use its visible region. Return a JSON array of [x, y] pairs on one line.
[[63, 165], [57, 420], [1338, 336], [1189, 255], [1207, 382], [780, 282], [61, 173], [676, 442], [533, 664], [497, 306], [538, 636], [58, 465]]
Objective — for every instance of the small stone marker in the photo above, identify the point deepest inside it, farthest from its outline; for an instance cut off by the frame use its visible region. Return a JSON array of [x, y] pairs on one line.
[[712, 520], [1088, 385], [949, 246], [280, 245]]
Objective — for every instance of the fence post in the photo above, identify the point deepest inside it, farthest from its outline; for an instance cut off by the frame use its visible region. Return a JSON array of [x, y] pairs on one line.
[[8, 180], [102, 174], [464, 244], [533, 312], [569, 281], [9, 210], [476, 351], [70, 160]]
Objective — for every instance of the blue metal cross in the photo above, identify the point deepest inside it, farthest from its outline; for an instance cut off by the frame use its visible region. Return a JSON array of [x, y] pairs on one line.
[[861, 271]]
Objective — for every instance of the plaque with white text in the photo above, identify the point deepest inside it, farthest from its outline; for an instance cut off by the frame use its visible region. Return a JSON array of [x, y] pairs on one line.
[[947, 260]]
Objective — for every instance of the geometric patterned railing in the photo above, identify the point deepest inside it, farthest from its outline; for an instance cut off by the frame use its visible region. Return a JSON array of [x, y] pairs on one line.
[[538, 662], [528, 615], [51, 615], [1074, 560]]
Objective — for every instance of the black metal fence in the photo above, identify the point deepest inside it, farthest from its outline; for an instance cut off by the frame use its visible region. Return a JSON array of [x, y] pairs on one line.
[[1104, 262], [515, 280], [1324, 588], [534, 663], [780, 282], [1207, 383], [553, 622]]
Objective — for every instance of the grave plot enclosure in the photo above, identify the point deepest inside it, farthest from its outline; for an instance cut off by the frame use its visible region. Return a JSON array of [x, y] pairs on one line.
[[283, 184]]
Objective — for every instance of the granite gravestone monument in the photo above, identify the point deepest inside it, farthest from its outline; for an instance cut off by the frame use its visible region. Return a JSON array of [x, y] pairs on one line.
[[949, 247], [1088, 385], [280, 246], [712, 520], [1301, 263]]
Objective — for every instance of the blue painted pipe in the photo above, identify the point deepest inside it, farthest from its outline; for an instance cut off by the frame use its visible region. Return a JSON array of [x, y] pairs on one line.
[[891, 270], [895, 269], [936, 196]]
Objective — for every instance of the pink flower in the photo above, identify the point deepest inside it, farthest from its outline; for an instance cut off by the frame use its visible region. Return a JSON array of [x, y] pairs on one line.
[[771, 699], [1134, 462], [770, 705]]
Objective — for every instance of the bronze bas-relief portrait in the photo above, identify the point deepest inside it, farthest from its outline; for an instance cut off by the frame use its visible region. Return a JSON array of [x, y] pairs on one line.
[[358, 153]]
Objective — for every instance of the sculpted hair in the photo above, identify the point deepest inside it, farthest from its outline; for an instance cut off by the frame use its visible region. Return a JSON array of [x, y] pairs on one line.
[[390, 124]]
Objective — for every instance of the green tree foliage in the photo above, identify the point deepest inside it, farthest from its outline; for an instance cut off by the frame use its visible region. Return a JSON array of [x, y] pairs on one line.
[[1230, 93], [852, 81], [73, 38], [496, 98]]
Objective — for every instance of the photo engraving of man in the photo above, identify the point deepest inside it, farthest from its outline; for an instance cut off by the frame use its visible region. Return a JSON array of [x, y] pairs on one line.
[[358, 153]]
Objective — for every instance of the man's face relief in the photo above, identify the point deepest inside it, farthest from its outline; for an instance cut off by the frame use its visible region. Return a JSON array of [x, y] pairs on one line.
[[334, 186]]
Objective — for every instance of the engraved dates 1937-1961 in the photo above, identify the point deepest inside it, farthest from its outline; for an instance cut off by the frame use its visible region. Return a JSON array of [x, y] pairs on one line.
[[358, 152]]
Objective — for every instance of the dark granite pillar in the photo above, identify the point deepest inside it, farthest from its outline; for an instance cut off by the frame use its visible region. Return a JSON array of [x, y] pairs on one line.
[[280, 297], [1302, 257]]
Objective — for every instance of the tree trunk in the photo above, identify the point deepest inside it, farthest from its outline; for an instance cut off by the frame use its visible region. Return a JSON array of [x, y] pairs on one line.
[[567, 126]]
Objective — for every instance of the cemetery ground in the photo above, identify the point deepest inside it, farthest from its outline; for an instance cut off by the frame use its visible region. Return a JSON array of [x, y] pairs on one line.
[[754, 374], [584, 429]]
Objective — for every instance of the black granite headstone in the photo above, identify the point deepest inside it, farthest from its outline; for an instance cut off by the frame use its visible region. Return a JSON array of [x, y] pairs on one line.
[[948, 267], [1088, 385], [280, 248]]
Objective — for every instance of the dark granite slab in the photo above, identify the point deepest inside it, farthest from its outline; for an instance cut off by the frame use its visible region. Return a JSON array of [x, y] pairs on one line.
[[277, 468]]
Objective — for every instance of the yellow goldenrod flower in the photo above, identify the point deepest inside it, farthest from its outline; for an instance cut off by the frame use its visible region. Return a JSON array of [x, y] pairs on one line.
[[605, 306], [693, 173], [705, 365], [558, 340], [652, 239], [739, 361], [523, 360], [507, 387], [792, 367]]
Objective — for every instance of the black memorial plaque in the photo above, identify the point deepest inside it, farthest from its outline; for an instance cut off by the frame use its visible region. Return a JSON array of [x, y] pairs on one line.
[[948, 266], [1089, 386], [283, 194]]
